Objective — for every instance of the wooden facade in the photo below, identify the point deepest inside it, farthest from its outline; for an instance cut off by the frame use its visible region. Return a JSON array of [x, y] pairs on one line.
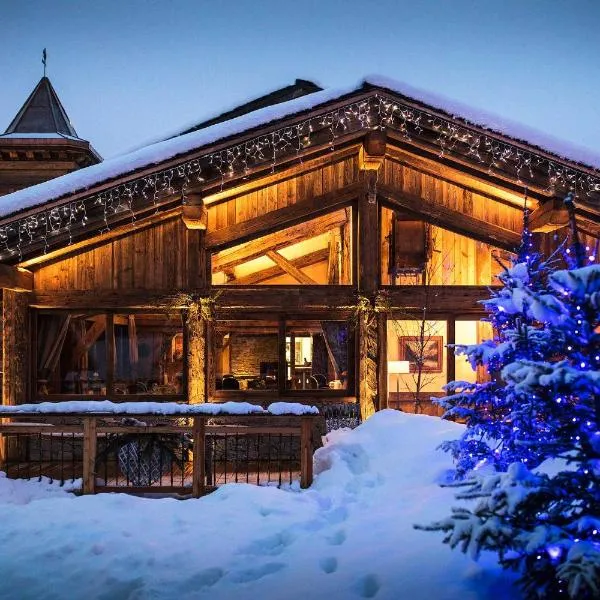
[[271, 283]]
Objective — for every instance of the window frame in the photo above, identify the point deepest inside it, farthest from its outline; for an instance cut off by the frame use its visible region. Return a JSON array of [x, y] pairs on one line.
[[352, 235], [281, 390], [110, 356]]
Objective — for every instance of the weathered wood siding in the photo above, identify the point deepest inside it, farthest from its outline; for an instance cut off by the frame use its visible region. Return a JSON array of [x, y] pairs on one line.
[[150, 258], [15, 346], [283, 193], [451, 196]]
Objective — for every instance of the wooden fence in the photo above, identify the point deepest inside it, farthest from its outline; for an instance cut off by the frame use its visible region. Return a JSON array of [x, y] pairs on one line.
[[182, 454]]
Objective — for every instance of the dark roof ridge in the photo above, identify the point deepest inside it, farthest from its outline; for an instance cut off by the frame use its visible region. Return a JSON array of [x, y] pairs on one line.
[[42, 112]]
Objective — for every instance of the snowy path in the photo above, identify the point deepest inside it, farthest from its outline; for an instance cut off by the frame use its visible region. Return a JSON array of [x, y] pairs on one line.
[[349, 536]]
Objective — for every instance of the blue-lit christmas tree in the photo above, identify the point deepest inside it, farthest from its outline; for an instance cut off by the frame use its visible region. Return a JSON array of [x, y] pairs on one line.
[[503, 424], [545, 523]]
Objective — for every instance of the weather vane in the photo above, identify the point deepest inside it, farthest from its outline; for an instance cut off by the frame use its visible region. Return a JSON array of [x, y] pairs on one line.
[[44, 56]]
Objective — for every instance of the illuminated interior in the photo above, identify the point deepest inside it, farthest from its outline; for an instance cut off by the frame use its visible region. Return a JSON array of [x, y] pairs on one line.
[[317, 252]]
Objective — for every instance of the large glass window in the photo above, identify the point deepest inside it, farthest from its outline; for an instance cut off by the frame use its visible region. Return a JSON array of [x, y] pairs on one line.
[[90, 354], [467, 333], [71, 354], [313, 354], [246, 355], [148, 354], [417, 362], [317, 252], [316, 355], [416, 253]]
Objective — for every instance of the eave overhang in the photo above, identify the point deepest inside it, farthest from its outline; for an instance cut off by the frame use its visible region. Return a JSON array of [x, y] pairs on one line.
[[274, 145]]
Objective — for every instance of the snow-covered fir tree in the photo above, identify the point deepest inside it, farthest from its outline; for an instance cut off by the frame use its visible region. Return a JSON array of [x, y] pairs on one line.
[[504, 425], [545, 523]]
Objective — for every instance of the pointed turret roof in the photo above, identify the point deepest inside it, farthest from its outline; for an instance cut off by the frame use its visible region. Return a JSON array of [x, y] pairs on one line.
[[42, 113]]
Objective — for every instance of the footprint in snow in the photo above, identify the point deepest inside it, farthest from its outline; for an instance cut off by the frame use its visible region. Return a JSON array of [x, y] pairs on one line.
[[337, 515], [337, 538], [255, 574], [329, 564], [272, 545], [204, 578], [367, 586]]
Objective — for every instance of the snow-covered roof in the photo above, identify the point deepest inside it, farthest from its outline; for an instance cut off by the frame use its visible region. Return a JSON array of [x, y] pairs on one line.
[[168, 149]]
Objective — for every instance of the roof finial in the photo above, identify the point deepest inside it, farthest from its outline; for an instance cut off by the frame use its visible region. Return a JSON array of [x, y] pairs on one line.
[[44, 60]]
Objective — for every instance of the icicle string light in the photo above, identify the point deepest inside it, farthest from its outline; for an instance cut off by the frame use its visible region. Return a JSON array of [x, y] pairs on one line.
[[48, 228]]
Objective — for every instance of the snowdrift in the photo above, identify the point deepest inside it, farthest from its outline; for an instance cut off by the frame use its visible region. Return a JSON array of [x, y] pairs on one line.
[[349, 536]]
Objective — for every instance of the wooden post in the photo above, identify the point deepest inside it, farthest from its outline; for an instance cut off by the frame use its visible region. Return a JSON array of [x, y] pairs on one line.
[[281, 361], [199, 460], [450, 358], [306, 452], [196, 358], [197, 267], [382, 371], [371, 158], [368, 237], [110, 353], [15, 346], [89, 455], [367, 365], [368, 278]]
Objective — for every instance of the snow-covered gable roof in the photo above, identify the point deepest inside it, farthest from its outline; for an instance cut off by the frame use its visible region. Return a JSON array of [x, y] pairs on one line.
[[492, 122], [160, 152]]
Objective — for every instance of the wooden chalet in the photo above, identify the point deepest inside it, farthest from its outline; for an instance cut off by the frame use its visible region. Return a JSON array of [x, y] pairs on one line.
[[307, 247]]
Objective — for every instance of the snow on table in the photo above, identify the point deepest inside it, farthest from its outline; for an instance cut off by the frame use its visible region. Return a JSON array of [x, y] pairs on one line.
[[349, 536]]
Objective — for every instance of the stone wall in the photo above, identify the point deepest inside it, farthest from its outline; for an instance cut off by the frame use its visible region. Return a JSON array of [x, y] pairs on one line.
[[248, 351]]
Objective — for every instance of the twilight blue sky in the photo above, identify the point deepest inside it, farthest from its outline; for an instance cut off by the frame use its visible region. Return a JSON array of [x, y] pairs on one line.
[[129, 70]]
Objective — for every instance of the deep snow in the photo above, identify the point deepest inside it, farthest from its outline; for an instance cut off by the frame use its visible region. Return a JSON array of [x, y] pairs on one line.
[[349, 536]]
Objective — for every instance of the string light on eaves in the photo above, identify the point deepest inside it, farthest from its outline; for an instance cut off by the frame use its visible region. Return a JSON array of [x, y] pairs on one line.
[[44, 230]]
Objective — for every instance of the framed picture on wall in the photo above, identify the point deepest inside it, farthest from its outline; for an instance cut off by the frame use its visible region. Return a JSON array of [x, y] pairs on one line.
[[432, 352]]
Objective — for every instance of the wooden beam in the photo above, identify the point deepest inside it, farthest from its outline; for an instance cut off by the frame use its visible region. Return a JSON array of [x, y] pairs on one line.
[[195, 217], [549, 216], [92, 334], [368, 236], [456, 176], [16, 278], [372, 151], [194, 213], [275, 241], [451, 220], [283, 217], [271, 272], [197, 259], [458, 299], [290, 268], [307, 165], [249, 301], [333, 257]]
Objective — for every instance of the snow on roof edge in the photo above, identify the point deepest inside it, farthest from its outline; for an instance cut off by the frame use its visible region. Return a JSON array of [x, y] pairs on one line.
[[492, 122], [83, 179], [171, 133]]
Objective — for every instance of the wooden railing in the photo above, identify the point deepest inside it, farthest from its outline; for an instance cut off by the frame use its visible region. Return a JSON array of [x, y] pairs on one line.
[[184, 454]]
